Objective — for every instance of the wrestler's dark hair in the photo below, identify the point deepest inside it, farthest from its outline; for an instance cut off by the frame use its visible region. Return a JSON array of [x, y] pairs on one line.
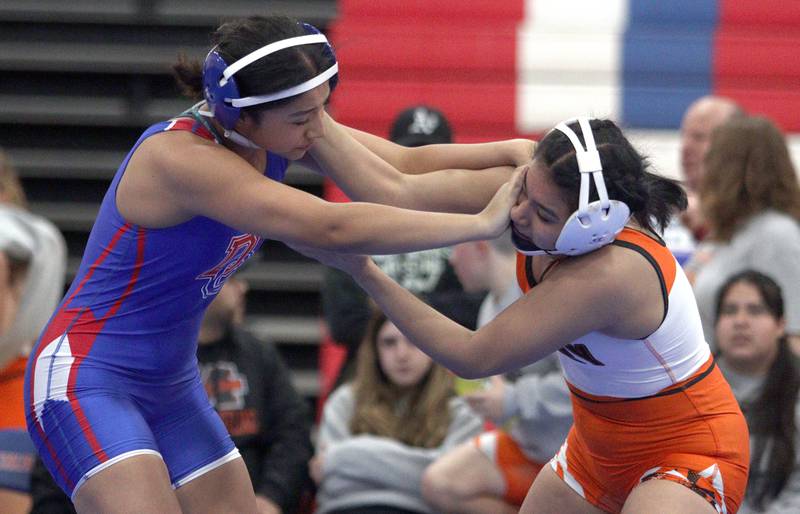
[[275, 72], [652, 199]]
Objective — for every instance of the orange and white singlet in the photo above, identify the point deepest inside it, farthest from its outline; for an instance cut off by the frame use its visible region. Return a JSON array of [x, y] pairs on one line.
[[652, 408]]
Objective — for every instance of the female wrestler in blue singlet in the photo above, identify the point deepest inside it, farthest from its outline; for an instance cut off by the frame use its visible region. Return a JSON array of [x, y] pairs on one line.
[[113, 398]]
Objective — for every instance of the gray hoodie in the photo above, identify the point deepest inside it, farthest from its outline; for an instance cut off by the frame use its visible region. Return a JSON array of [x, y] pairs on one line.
[[362, 470], [537, 404]]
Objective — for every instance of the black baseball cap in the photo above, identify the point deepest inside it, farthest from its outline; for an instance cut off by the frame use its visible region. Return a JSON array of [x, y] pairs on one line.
[[421, 125]]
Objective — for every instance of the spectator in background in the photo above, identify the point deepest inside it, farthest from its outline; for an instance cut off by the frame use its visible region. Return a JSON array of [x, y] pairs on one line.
[[16, 450], [345, 306], [421, 125], [34, 244], [701, 118], [488, 268], [751, 200], [47, 497], [32, 264], [755, 358], [492, 473], [250, 387], [699, 121], [380, 431]]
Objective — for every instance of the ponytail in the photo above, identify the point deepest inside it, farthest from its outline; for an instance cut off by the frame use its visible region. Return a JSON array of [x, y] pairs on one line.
[[666, 197], [188, 75]]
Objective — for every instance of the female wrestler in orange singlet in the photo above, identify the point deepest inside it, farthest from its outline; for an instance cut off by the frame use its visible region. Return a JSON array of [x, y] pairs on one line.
[[656, 428]]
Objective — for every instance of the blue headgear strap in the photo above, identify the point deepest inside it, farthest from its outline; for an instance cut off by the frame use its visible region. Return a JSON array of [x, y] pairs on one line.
[[222, 93], [328, 52]]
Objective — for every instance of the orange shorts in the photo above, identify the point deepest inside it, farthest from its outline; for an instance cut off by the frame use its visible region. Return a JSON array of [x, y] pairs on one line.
[[517, 469], [12, 380], [692, 433]]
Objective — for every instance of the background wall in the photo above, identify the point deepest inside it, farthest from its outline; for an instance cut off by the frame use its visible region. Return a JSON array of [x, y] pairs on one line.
[[519, 66]]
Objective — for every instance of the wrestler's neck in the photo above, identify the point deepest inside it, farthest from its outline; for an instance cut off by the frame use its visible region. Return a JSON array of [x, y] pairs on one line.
[[633, 224], [256, 157]]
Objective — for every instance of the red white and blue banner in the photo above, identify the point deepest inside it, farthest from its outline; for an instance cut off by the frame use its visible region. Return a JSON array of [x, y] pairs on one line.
[[503, 68]]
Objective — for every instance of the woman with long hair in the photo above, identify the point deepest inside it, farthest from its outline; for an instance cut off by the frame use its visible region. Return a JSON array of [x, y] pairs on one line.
[[754, 356], [380, 431], [656, 427], [750, 198]]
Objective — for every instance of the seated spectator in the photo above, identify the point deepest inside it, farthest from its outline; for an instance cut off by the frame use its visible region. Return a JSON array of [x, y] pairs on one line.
[[32, 262], [380, 431], [492, 473], [751, 200], [755, 358], [37, 254], [345, 307], [16, 450], [47, 497], [250, 387], [699, 121]]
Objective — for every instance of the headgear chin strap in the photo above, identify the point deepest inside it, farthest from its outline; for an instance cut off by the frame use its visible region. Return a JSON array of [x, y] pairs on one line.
[[228, 134], [594, 224], [222, 93]]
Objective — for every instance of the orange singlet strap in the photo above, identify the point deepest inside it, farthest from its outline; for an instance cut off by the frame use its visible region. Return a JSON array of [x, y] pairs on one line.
[[525, 277], [654, 250], [525, 272]]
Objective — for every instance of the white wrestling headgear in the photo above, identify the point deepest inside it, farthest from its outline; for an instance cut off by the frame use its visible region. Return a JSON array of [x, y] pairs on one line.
[[594, 224]]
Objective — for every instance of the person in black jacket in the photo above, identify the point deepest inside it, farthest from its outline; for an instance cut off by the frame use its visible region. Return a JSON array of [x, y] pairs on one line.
[[47, 497], [250, 387]]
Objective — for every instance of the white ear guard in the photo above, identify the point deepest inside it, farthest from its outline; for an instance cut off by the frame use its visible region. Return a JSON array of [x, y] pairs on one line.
[[594, 224]]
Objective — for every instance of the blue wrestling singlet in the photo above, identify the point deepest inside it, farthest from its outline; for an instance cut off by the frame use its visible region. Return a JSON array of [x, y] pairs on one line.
[[114, 373]]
